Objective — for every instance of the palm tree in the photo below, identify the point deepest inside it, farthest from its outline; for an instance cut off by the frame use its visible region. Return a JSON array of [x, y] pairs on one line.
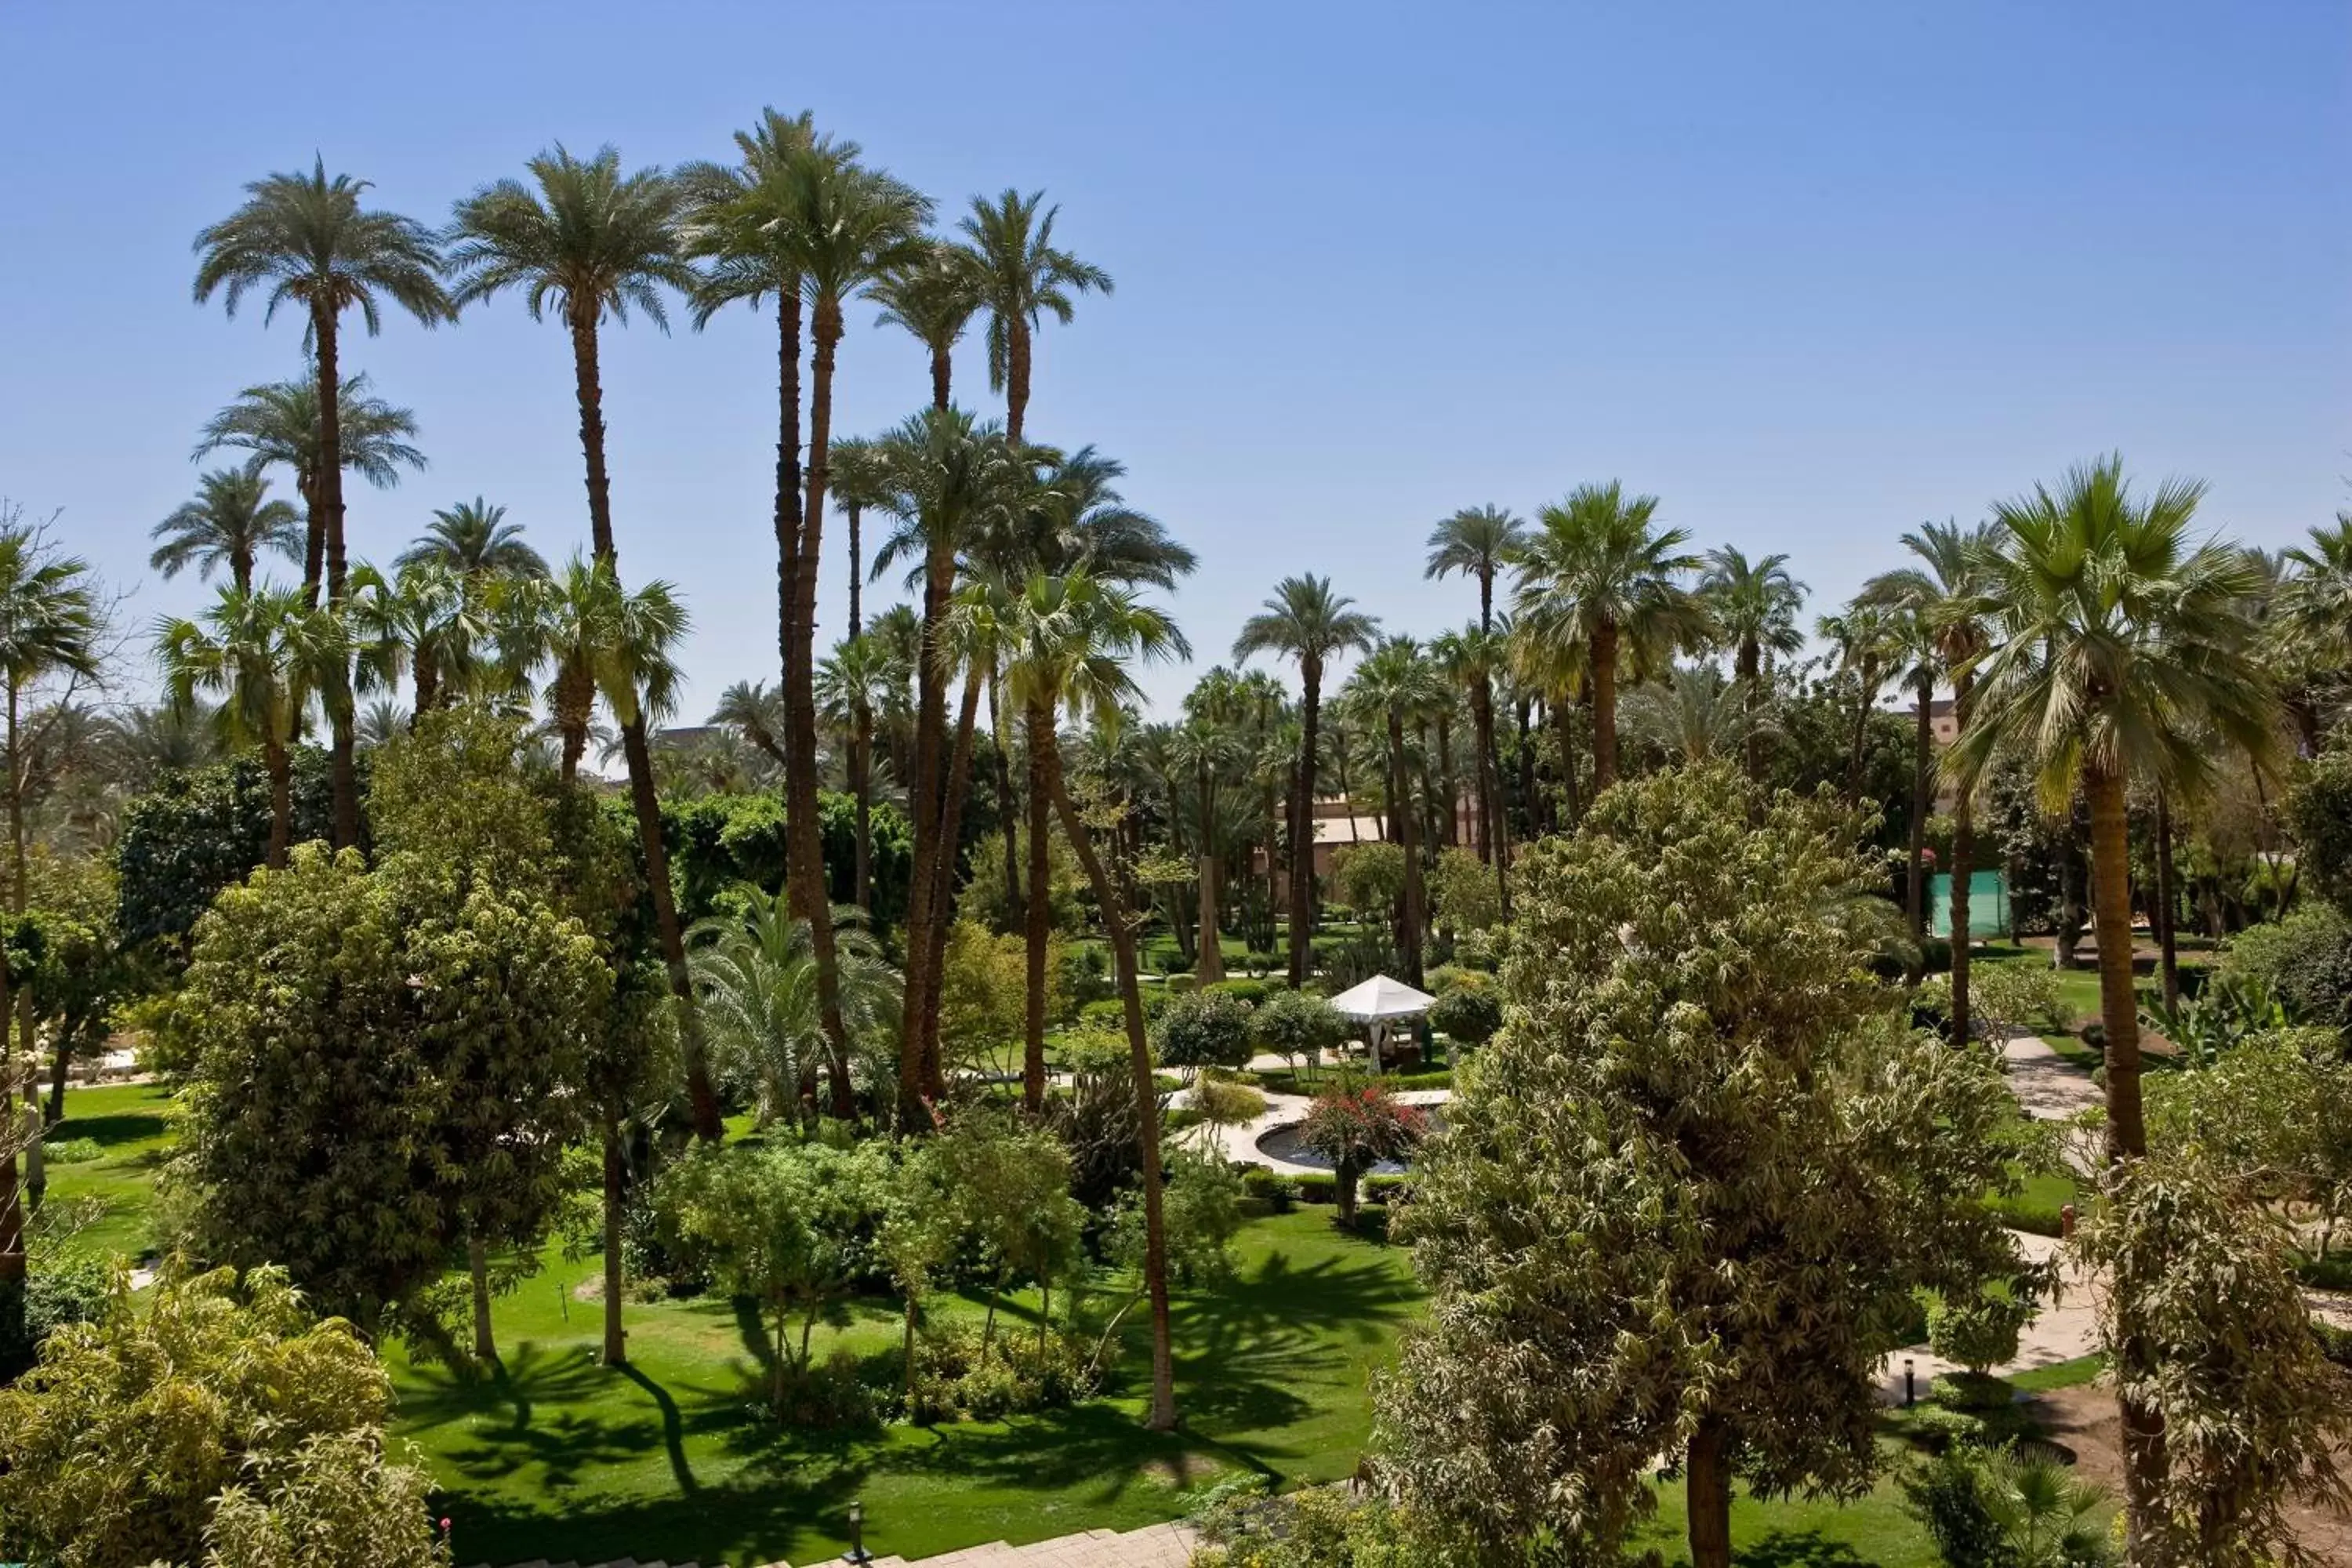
[[852, 686], [1024, 278], [307, 240], [1864, 636], [1389, 690], [232, 523], [429, 621], [2119, 647], [753, 710], [51, 624], [2314, 615], [860, 481], [592, 242], [1476, 541], [1306, 622], [1695, 714], [755, 974], [1943, 599], [267, 654], [1209, 746], [279, 422], [474, 537], [1474, 656], [934, 296], [1068, 641], [1754, 606], [1598, 577]]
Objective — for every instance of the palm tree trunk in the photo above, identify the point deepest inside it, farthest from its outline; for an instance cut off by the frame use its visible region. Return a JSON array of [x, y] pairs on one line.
[[1162, 1414], [343, 761], [1008, 810], [672, 934], [617, 1341], [1038, 923], [925, 909], [943, 369], [2167, 900], [1752, 677], [1860, 732], [1527, 761], [958, 789], [1302, 832], [1448, 811], [804, 839], [856, 574], [281, 768], [861, 783], [1016, 377], [588, 388], [477, 1268], [1604, 707], [1412, 887], [1707, 1472], [1922, 753], [1571, 809], [314, 533], [1494, 832], [1212, 966]]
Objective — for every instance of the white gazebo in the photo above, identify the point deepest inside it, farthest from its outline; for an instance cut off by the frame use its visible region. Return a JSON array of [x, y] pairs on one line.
[[1378, 1001]]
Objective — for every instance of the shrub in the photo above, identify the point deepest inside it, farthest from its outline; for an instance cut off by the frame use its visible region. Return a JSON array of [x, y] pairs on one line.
[[68, 1289], [1203, 1029], [953, 1378], [1941, 1427], [1945, 1495], [72, 1151], [1469, 1014], [2304, 961], [1251, 992], [1369, 877], [1222, 1102], [1298, 1027], [1978, 1332], [1278, 1192], [2013, 998]]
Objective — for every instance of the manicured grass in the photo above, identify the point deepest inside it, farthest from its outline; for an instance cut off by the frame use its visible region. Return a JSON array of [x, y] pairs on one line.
[[559, 1457], [133, 1125], [1873, 1531], [2061, 1374]]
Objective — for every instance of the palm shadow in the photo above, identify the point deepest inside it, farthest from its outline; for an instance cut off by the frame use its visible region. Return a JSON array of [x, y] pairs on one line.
[[1799, 1549]]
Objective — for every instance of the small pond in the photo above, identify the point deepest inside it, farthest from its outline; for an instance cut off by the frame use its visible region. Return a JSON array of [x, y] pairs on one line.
[[1287, 1144]]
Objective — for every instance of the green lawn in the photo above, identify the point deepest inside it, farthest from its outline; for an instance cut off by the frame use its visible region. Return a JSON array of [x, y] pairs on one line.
[[562, 1458], [133, 1126], [1870, 1532]]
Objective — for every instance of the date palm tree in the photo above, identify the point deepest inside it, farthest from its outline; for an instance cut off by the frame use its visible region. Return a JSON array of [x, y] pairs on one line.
[[2121, 648], [279, 422], [1024, 278], [934, 296], [755, 973], [429, 621], [753, 710], [1475, 656], [1944, 600], [1864, 636], [1069, 643], [1598, 573], [306, 240], [590, 242], [1389, 691], [1306, 622], [474, 538], [860, 483], [232, 523], [1754, 605], [852, 686], [1475, 542]]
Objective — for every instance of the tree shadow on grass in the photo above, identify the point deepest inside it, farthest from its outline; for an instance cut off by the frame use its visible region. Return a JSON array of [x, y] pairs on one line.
[[800, 1517], [107, 1131], [1799, 1549]]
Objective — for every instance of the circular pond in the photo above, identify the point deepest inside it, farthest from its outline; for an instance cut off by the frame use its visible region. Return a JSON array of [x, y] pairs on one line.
[[1287, 1144]]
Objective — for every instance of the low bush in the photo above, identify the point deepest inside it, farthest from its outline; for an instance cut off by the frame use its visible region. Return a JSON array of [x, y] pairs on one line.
[[1979, 1331], [1203, 1029], [1971, 1392], [68, 1287], [2034, 1216], [1939, 1428], [1276, 1190], [1251, 992], [953, 1379], [1467, 1013], [2305, 960], [72, 1151]]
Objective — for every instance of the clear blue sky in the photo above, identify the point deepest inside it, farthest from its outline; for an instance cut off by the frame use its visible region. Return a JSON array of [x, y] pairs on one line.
[[1810, 273]]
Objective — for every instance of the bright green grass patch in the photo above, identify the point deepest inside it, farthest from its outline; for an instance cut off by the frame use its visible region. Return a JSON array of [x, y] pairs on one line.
[[1873, 1531], [2072, 1373], [131, 1126], [562, 1458]]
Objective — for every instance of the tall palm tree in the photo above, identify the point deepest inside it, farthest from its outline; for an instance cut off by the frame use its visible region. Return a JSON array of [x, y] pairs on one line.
[[2315, 616], [1864, 636], [592, 242], [232, 523], [1598, 579], [1209, 746], [307, 241], [2121, 645], [279, 422], [1754, 606], [1389, 692], [474, 538], [267, 654], [1944, 599], [1306, 622], [852, 686], [756, 975], [1475, 656], [933, 297], [1024, 278], [51, 624], [1475, 542], [1693, 714], [860, 483], [1069, 642]]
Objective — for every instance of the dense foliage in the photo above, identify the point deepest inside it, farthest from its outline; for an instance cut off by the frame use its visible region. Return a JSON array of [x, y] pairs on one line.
[[203, 830]]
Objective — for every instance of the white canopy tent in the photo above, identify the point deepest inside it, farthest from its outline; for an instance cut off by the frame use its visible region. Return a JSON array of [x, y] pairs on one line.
[[1378, 1001]]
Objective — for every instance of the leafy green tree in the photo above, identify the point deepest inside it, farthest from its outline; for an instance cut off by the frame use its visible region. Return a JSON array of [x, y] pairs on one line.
[[2320, 811], [1462, 893], [1011, 1188], [1023, 276], [790, 1225], [1864, 636], [1601, 586], [1203, 1029], [193, 1416], [2305, 960], [1355, 1127], [1661, 1162], [1370, 876], [2212, 1345], [1304, 621], [474, 539], [307, 241], [233, 522], [202, 829], [2275, 1113], [1298, 1028]]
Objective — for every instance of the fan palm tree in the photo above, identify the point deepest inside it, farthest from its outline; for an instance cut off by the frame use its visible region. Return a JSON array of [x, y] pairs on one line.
[[852, 686], [1864, 636], [1475, 542], [1474, 656], [429, 621], [1944, 600], [755, 974], [474, 537], [267, 654], [1305, 622], [1600, 582], [1024, 278], [279, 422], [1692, 715], [1390, 690], [2121, 646], [232, 523], [1069, 642], [934, 296], [2310, 623], [592, 242], [1754, 606], [306, 240]]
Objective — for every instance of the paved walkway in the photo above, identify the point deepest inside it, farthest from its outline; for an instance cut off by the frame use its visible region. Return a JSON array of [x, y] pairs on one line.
[[2065, 1329], [2047, 1085]]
